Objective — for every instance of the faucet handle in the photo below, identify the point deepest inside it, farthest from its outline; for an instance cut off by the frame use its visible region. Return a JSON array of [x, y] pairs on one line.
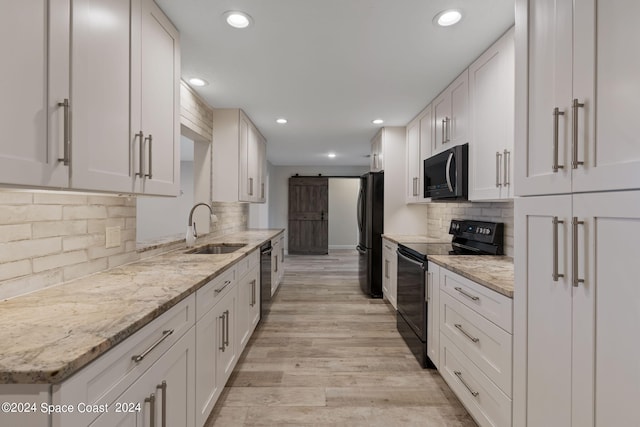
[[195, 232]]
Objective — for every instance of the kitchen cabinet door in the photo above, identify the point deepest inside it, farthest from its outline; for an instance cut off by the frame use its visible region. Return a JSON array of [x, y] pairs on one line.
[[433, 313], [390, 272], [607, 88], [491, 114], [155, 106], [262, 171], [606, 309], [227, 354], [451, 114], [543, 307], [100, 67], [275, 265], [248, 312], [413, 161], [281, 259], [34, 40], [208, 385], [543, 125], [376, 159]]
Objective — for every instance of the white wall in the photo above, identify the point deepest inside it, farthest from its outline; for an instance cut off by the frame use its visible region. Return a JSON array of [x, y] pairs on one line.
[[279, 188], [343, 222]]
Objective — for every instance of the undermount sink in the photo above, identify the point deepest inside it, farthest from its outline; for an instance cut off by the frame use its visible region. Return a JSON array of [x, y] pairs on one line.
[[217, 248]]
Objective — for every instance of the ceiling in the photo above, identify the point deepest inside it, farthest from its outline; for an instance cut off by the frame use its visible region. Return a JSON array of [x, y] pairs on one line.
[[330, 66]]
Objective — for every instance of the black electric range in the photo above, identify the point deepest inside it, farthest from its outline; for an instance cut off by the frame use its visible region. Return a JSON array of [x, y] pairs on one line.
[[469, 238]]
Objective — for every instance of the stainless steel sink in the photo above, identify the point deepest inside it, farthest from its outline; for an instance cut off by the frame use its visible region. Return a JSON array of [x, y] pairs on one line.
[[217, 248]]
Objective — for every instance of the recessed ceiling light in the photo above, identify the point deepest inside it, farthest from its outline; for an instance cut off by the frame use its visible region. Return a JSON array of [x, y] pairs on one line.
[[377, 121], [237, 19], [448, 17], [197, 82], [282, 121], [331, 155]]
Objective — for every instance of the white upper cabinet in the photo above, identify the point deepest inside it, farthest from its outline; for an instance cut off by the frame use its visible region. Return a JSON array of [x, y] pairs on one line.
[[157, 84], [100, 84], [33, 83], [451, 114], [100, 98], [376, 161], [581, 96], [491, 121], [240, 162], [419, 147]]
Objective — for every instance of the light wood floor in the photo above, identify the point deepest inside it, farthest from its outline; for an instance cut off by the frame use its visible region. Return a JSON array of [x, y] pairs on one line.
[[327, 355]]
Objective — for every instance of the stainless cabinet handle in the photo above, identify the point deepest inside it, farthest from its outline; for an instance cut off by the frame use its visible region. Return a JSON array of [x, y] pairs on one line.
[[415, 186], [468, 295], [556, 114], [262, 190], [576, 279], [574, 158], [253, 293], [498, 161], [250, 186], [276, 264], [447, 122], [140, 357], [226, 283], [226, 323], [386, 268], [151, 400], [282, 254], [66, 143], [507, 158], [459, 375], [150, 139], [444, 140], [466, 334], [555, 273], [163, 388], [140, 136], [222, 318]]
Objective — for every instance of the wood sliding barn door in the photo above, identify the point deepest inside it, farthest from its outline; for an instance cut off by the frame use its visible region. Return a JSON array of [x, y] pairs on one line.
[[308, 215]]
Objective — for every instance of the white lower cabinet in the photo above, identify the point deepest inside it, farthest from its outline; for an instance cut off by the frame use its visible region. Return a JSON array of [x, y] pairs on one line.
[[248, 299], [577, 310], [476, 347], [433, 313], [119, 374], [390, 272], [277, 263]]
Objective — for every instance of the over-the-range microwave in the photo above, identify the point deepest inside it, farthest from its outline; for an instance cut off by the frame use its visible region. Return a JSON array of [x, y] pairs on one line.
[[446, 174]]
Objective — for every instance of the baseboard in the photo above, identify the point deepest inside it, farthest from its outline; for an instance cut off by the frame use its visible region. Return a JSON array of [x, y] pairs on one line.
[[342, 246]]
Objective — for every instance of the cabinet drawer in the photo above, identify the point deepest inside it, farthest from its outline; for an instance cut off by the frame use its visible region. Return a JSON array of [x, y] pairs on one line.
[[486, 302], [247, 263], [208, 295], [489, 406], [102, 381], [389, 246], [487, 345]]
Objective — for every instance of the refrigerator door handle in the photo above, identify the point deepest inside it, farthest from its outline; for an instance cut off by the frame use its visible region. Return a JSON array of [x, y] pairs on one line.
[[360, 210], [360, 250]]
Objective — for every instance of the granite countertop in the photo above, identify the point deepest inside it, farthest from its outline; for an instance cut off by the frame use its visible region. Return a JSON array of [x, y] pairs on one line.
[[413, 238], [50, 334], [494, 272]]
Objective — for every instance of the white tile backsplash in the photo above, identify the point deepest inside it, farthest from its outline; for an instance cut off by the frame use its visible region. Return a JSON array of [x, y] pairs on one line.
[[439, 216]]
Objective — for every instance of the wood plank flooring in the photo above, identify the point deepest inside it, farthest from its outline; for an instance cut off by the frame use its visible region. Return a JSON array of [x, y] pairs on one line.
[[327, 355]]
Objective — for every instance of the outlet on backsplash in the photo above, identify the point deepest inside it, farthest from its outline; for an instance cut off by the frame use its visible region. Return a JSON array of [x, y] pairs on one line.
[[112, 238]]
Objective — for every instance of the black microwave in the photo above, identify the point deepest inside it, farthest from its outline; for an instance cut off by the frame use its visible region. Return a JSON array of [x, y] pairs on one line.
[[446, 174]]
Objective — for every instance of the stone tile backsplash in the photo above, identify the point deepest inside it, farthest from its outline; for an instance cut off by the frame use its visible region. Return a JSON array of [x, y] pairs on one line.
[[439, 215], [48, 238]]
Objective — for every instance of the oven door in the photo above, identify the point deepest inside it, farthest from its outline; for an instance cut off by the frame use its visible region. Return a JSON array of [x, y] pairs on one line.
[[411, 293]]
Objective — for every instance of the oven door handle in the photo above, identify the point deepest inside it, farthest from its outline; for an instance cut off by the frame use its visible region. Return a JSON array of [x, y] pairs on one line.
[[421, 264]]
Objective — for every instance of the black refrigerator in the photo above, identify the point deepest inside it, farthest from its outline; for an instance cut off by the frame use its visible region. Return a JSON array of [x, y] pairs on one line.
[[370, 224]]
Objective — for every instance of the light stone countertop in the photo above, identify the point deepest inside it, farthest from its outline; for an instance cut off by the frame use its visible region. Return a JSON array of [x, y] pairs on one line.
[[50, 334], [494, 272], [412, 238]]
